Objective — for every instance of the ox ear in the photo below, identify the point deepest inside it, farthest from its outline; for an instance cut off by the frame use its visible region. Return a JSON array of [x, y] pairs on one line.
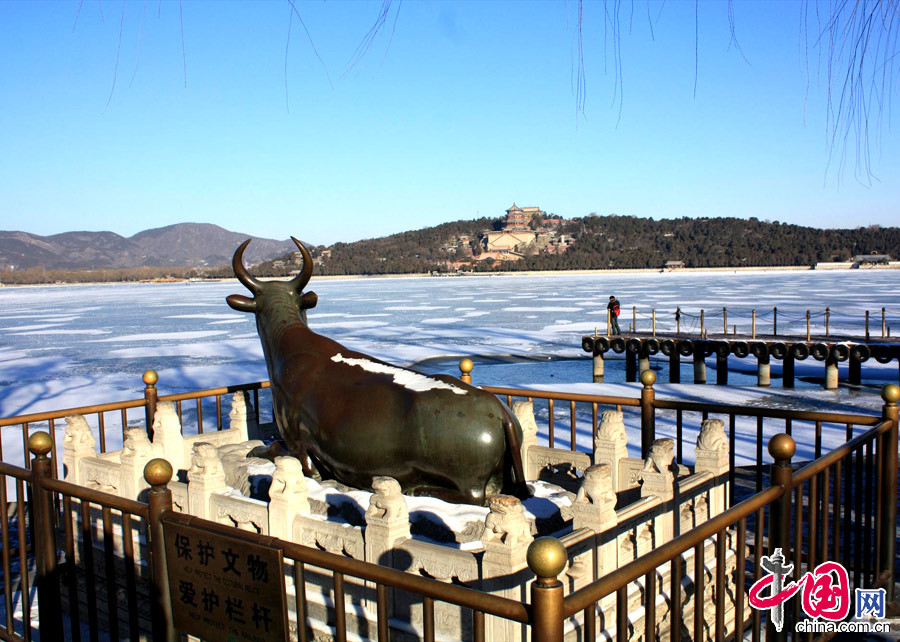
[[309, 300], [241, 303]]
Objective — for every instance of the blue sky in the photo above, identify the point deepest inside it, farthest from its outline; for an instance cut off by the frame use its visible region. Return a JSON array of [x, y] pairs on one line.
[[459, 109]]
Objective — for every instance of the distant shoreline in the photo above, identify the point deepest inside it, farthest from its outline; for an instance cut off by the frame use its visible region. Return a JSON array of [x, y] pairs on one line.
[[337, 277]]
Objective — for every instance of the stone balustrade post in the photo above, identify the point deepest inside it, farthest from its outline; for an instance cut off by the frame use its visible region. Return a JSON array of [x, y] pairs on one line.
[[136, 452], [288, 497], [712, 456], [167, 437], [524, 412], [205, 477], [507, 536], [242, 416], [595, 508], [658, 480], [79, 442], [611, 445], [387, 521], [595, 504]]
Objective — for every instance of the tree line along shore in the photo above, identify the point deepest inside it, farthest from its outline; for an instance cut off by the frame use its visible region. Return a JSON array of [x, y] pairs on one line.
[[192, 275]]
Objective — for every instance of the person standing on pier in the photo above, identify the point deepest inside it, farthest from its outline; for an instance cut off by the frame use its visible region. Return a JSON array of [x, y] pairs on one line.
[[614, 309]]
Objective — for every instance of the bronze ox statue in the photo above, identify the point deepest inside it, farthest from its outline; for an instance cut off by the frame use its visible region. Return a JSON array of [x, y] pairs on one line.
[[354, 417]]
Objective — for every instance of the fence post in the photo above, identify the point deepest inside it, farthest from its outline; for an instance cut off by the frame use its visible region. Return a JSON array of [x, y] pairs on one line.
[[47, 580], [807, 325], [883, 323], [701, 324], [465, 370], [725, 321], [782, 448], [547, 558], [648, 412], [890, 394], [150, 378], [634, 318], [827, 320], [654, 323], [678, 320], [158, 473], [775, 321], [867, 325]]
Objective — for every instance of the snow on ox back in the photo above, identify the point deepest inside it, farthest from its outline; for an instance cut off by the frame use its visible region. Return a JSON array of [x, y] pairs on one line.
[[406, 378]]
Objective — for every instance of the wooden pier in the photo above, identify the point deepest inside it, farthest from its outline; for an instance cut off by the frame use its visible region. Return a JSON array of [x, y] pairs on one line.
[[831, 350]]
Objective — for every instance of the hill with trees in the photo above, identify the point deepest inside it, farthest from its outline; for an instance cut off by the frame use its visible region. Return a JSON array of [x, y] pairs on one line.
[[613, 242]]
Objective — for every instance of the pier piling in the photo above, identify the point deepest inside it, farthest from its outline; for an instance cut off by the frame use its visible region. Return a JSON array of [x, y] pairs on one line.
[[630, 367], [599, 368], [831, 373], [787, 370], [699, 365], [674, 367]]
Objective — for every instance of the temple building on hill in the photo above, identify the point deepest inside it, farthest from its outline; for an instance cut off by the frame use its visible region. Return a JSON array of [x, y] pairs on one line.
[[516, 235], [518, 218]]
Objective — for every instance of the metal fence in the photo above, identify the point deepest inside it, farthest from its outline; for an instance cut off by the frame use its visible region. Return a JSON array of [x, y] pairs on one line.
[[67, 549]]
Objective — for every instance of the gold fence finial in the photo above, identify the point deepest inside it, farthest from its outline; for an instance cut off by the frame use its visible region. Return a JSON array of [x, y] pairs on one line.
[[40, 443], [465, 369], [158, 472], [546, 558]]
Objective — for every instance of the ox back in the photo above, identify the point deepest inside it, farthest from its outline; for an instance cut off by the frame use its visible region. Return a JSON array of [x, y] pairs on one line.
[[353, 417]]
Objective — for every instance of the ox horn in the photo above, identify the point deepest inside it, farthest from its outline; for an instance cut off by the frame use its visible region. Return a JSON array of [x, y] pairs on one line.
[[240, 271], [300, 281]]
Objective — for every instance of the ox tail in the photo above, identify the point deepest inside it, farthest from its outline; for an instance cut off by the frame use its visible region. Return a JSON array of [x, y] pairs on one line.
[[514, 470]]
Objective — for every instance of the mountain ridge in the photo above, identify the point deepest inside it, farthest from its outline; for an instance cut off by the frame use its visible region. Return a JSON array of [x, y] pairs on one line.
[[181, 244]]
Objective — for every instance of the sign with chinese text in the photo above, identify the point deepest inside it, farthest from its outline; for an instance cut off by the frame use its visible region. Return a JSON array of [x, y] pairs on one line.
[[225, 588]]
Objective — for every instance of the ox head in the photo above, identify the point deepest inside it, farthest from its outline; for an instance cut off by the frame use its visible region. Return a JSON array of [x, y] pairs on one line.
[[269, 296]]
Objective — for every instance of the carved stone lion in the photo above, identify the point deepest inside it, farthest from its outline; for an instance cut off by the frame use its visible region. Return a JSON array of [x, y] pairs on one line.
[[712, 436], [612, 426], [205, 461], [166, 418], [288, 479], [506, 523], [137, 445], [596, 487], [387, 502], [79, 436], [662, 452]]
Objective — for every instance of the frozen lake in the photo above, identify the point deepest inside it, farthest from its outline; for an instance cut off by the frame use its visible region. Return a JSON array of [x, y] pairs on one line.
[[72, 345], [69, 346]]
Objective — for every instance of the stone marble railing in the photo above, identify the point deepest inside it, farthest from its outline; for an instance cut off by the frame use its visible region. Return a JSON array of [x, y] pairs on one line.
[[601, 538]]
